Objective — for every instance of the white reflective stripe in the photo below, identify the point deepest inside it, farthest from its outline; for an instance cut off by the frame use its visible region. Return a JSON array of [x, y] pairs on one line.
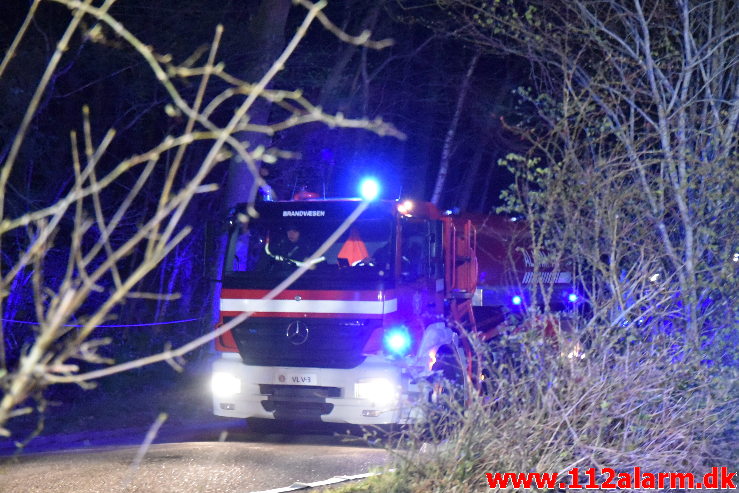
[[391, 305], [310, 306], [547, 277], [327, 482], [477, 297]]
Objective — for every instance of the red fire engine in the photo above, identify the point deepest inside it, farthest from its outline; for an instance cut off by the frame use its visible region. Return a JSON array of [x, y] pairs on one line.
[[355, 337]]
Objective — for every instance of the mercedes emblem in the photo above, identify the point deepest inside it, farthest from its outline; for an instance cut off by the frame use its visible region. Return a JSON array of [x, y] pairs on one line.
[[297, 333]]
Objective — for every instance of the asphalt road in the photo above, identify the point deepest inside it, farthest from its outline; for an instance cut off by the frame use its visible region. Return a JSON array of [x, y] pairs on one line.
[[246, 462]]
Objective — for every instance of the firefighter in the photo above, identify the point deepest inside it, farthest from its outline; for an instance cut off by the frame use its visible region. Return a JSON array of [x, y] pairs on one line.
[[291, 248]]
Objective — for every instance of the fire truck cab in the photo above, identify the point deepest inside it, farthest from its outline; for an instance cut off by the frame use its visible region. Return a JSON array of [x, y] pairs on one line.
[[355, 338]]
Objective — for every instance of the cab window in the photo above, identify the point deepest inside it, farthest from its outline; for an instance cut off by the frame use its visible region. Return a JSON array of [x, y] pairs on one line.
[[415, 249]]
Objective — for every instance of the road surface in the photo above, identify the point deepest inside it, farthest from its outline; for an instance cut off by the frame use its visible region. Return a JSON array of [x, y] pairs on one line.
[[246, 462]]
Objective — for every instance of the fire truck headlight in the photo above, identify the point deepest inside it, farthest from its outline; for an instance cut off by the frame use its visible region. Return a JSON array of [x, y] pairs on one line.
[[397, 341], [369, 189], [380, 391], [224, 384], [405, 208]]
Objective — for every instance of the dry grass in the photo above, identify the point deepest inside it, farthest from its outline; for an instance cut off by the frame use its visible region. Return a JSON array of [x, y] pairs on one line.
[[642, 403]]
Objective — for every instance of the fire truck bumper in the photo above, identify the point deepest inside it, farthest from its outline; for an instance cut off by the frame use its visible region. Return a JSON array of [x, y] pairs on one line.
[[375, 392]]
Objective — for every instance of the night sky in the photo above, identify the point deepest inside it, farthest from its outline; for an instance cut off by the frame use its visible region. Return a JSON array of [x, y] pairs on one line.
[[413, 85]]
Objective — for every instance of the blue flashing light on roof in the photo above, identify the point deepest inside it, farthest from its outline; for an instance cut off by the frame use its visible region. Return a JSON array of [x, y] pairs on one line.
[[573, 297], [369, 189], [516, 300], [397, 341]]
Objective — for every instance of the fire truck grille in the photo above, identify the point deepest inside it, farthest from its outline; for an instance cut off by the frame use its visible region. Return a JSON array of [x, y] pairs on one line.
[[306, 342], [298, 402]]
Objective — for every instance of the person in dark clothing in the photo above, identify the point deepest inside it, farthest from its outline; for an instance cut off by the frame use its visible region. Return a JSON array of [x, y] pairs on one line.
[[291, 248]]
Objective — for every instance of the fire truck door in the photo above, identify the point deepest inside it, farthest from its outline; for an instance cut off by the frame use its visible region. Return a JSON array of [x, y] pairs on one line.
[[421, 277]]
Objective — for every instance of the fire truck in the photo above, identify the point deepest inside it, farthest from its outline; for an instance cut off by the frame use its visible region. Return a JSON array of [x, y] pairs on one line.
[[370, 322], [514, 276]]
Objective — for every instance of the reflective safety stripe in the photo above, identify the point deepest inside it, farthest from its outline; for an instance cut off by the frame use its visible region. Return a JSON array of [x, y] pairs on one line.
[[335, 480], [310, 306]]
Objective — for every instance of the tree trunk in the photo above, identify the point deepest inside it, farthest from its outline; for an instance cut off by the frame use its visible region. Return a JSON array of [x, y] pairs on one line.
[[452, 132], [327, 98], [266, 38], [471, 176], [483, 202]]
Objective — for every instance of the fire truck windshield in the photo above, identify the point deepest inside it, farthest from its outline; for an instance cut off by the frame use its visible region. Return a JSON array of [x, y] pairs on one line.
[[272, 248]]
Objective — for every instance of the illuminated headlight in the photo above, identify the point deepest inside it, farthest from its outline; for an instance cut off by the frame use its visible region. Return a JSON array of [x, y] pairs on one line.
[[224, 384], [380, 391], [405, 208]]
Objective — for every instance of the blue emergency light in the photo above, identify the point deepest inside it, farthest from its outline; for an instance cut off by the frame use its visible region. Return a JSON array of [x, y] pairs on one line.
[[369, 189], [397, 341], [516, 300]]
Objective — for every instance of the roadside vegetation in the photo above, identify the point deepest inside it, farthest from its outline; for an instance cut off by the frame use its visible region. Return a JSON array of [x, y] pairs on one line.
[[630, 183], [625, 399]]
